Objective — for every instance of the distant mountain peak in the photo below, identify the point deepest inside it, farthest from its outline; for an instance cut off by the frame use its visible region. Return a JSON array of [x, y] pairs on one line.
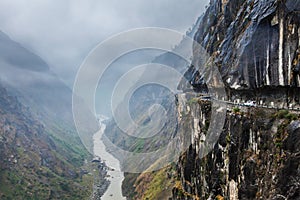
[[15, 55]]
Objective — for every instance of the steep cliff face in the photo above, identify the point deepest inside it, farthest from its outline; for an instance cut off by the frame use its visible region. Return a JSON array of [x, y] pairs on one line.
[[255, 45], [256, 156]]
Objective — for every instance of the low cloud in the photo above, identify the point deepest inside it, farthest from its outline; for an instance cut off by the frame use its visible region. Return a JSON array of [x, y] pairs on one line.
[[64, 31]]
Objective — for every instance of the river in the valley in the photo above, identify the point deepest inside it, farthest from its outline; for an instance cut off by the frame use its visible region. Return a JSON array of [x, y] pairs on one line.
[[115, 176]]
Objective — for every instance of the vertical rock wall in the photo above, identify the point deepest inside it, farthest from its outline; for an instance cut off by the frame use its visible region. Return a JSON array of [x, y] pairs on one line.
[[255, 43], [256, 46], [256, 157]]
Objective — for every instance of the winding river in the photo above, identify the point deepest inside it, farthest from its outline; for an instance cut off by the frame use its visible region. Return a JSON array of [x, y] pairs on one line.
[[114, 191]]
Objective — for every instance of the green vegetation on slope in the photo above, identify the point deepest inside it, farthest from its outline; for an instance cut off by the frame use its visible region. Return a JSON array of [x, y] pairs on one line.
[[36, 161]]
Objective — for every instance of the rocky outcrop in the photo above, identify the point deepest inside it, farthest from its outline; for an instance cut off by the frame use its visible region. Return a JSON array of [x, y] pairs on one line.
[[254, 43], [256, 156]]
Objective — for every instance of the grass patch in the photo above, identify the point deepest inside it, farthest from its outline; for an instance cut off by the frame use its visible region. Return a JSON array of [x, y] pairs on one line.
[[159, 185], [285, 114], [236, 110]]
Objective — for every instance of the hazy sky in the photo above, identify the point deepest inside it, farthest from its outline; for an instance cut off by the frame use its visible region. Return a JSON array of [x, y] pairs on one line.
[[62, 32]]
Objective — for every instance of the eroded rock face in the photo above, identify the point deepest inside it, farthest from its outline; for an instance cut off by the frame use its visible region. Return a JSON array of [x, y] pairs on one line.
[[256, 156], [256, 46], [255, 43]]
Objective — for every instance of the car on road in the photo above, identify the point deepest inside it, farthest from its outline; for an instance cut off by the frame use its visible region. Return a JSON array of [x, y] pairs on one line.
[[250, 103]]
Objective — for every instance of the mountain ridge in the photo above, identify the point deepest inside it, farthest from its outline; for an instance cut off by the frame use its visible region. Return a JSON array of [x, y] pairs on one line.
[[52, 162]]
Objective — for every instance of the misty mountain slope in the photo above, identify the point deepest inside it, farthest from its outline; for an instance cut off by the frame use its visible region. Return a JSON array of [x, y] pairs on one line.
[[19, 57], [39, 89], [27, 78], [32, 164], [135, 186]]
